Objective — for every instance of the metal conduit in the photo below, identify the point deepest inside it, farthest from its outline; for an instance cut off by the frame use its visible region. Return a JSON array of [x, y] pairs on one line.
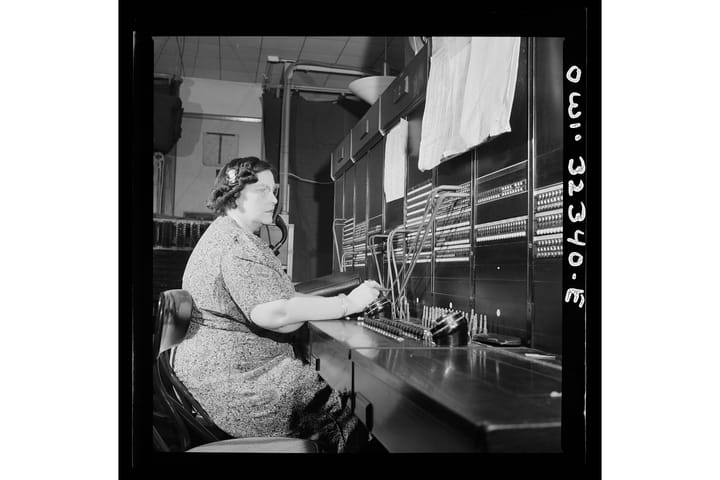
[[289, 68]]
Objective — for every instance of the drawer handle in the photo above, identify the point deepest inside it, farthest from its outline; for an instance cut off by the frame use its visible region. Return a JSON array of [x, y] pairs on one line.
[[364, 410], [405, 89], [367, 128], [317, 362]]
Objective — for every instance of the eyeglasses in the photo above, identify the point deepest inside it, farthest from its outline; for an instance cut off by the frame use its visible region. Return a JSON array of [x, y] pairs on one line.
[[265, 189]]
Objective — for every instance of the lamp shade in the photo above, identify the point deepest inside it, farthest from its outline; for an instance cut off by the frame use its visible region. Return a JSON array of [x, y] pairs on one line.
[[369, 89]]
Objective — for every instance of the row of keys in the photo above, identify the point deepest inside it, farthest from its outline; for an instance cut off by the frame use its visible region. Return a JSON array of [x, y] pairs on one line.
[[502, 227], [545, 221], [550, 199], [549, 231], [502, 236], [395, 329], [439, 259], [476, 323], [419, 191], [347, 238], [431, 314], [445, 220], [549, 254], [375, 229], [549, 248], [502, 191], [455, 237], [546, 242]]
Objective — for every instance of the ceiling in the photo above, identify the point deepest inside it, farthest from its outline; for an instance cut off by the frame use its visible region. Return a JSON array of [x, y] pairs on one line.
[[245, 59]]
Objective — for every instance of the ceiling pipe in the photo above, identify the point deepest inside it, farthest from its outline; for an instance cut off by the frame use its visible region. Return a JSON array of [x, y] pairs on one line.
[[289, 68], [285, 142], [306, 88]]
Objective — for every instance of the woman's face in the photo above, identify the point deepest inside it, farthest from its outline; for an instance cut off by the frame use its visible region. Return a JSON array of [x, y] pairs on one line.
[[257, 200]]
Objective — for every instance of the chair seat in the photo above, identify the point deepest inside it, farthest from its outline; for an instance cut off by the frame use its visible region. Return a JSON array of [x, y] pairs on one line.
[[259, 445]]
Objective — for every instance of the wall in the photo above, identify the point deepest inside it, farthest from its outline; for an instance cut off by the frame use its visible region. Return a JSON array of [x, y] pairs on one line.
[[212, 97], [218, 97]]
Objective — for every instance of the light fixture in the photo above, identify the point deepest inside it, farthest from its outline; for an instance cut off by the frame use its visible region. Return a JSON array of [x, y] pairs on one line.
[[369, 89]]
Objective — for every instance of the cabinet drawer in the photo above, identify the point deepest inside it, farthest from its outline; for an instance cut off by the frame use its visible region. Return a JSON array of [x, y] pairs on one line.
[[340, 157], [402, 425], [330, 359], [406, 91], [366, 131]]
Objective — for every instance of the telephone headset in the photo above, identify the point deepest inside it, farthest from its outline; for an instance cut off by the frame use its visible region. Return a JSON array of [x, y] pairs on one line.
[[280, 223]]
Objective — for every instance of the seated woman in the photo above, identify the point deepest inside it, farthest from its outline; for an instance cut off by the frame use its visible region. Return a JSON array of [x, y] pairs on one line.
[[239, 362]]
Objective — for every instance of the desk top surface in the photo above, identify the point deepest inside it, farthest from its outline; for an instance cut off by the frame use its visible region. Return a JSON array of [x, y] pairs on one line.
[[481, 384]]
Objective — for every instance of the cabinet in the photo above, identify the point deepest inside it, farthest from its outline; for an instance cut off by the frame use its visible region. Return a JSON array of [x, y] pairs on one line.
[[366, 131], [340, 157], [406, 91]]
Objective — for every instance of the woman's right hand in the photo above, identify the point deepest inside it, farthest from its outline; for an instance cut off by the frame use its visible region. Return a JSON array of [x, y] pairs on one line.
[[362, 296]]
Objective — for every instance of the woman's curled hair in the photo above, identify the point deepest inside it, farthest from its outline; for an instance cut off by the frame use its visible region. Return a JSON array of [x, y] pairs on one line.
[[231, 180]]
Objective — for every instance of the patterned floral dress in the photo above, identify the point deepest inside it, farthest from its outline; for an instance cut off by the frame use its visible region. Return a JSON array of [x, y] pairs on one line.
[[248, 378]]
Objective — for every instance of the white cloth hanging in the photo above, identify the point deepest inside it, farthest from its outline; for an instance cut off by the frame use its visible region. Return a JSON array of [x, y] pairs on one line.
[[469, 95], [395, 161]]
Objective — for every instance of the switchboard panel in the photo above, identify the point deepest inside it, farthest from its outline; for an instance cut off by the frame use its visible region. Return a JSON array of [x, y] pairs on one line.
[[419, 184], [453, 237], [375, 262], [480, 233], [338, 223], [419, 247], [548, 194], [360, 232], [548, 111], [500, 230], [500, 236], [348, 238]]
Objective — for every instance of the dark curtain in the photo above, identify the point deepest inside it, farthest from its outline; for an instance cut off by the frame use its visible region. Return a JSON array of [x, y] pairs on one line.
[[315, 130], [272, 113]]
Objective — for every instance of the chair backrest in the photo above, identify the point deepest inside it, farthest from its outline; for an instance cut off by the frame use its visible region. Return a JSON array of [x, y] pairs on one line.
[[191, 424], [172, 319]]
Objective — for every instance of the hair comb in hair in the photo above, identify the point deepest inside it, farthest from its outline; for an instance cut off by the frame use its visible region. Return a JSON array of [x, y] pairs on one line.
[[231, 176]]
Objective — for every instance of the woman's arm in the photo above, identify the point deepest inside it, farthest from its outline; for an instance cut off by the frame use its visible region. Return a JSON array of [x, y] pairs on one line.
[[262, 294], [289, 315]]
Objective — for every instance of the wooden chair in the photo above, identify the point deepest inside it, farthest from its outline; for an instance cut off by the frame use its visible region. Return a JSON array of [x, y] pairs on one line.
[[174, 404]]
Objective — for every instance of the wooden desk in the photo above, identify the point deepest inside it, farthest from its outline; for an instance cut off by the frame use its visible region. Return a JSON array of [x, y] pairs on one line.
[[418, 398]]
